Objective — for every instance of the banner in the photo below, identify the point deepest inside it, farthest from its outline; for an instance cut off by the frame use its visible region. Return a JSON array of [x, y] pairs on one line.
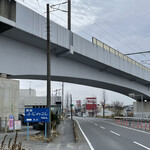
[[91, 103], [11, 122], [17, 125]]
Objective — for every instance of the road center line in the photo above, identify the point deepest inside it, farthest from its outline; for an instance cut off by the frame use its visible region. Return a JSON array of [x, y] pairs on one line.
[[141, 145], [102, 127], [115, 133]]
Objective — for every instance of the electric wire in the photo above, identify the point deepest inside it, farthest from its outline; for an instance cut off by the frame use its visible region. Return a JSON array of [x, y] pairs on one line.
[[106, 31], [106, 23], [90, 29]]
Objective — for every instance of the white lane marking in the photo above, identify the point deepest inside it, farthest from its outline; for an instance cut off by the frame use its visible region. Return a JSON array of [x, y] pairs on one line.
[[141, 145], [95, 124], [126, 127], [115, 133], [102, 127], [91, 122], [89, 143]]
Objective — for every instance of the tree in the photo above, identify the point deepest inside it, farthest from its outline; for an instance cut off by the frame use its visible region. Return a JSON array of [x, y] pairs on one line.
[[117, 108], [103, 103]]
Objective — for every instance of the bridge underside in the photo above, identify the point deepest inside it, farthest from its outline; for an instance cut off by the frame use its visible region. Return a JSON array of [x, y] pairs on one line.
[[87, 82]]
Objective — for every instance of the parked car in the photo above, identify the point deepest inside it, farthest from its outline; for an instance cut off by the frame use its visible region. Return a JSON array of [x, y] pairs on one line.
[[84, 115], [21, 118], [39, 126]]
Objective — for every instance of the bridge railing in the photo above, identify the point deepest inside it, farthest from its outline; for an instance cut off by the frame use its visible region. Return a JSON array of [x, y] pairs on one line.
[[117, 53]]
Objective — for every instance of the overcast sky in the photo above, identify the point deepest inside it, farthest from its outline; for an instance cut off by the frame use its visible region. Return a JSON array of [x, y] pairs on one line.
[[122, 24]]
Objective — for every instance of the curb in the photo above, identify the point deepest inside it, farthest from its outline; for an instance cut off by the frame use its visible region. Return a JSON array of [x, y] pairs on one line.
[[86, 139], [75, 132]]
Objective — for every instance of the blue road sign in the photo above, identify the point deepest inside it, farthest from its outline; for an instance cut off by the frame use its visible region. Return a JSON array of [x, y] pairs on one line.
[[36, 114]]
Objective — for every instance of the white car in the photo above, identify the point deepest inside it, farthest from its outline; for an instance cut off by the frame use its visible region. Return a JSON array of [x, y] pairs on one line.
[[84, 115]]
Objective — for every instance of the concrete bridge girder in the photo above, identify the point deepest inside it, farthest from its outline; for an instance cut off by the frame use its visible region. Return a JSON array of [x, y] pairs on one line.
[[74, 59], [21, 60]]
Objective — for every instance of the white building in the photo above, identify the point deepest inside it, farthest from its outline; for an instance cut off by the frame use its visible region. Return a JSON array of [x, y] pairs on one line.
[[28, 99], [108, 112], [23, 94]]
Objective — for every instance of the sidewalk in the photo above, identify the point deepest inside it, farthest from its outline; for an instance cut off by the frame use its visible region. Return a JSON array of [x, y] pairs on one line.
[[64, 141]]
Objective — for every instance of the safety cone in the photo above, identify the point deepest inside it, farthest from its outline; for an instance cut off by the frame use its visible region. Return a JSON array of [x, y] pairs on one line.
[[133, 124], [123, 122], [145, 125], [126, 123], [138, 125], [141, 125]]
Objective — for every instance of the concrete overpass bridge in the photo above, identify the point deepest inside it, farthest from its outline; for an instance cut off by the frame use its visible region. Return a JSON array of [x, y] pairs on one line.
[[73, 59]]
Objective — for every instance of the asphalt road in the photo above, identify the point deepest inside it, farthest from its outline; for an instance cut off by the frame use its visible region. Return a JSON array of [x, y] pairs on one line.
[[103, 134]]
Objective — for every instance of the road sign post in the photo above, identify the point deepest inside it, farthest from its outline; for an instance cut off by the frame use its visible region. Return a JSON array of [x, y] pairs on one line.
[[45, 130], [36, 115], [27, 131]]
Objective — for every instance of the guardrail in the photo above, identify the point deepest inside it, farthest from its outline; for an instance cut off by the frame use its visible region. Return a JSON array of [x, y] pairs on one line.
[[117, 53]]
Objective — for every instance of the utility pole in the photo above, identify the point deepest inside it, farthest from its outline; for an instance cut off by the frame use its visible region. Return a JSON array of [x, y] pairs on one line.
[[48, 57], [62, 98], [69, 15], [71, 106], [48, 74], [103, 103]]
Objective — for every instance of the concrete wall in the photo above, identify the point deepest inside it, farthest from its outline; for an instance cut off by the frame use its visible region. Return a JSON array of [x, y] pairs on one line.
[[137, 107], [9, 96]]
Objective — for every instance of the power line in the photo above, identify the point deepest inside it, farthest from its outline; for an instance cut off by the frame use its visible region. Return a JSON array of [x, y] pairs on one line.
[[105, 31], [102, 19], [92, 30], [89, 28], [71, 24]]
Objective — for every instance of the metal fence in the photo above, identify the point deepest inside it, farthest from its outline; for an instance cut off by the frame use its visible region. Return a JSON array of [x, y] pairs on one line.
[[117, 53]]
